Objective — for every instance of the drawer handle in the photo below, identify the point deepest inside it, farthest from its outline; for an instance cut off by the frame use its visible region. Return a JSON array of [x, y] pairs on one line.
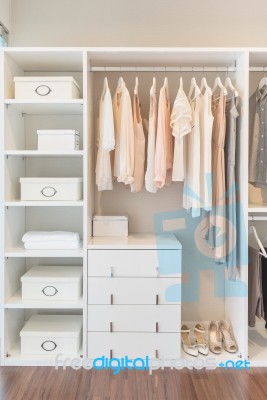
[[49, 345], [157, 327], [50, 291], [110, 354], [48, 191], [156, 353], [111, 327], [157, 271], [111, 272], [43, 90], [111, 299], [157, 299]]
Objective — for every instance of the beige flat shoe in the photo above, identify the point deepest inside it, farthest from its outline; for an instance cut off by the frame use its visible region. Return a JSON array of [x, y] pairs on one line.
[[229, 342], [187, 346], [215, 338], [201, 344]]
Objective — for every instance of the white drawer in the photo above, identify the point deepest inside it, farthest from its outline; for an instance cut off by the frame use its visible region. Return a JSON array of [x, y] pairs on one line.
[[148, 263], [133, 345], [134, 291], [132, 318]]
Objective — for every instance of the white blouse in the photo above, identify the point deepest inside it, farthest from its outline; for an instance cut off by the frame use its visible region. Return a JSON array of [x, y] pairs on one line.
[[151, 141]]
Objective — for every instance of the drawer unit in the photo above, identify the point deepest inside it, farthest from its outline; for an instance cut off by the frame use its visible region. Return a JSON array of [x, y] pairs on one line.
[[51, 334], [52, 283], [134, 291], [133, 345], [134, 318], [146, 263], [51, 189], [46, 87]]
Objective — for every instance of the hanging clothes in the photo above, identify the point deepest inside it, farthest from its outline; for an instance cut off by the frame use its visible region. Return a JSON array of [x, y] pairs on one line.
[[164, 145], [124, 134], [191, 192], [151, 142], [206, 123], [106, 140], [181, 118], [217, 229], [139, 144], [231, 219], [255, 297], [258, 148]]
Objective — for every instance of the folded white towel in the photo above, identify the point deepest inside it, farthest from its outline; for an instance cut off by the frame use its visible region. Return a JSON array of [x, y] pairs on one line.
[[56, 245], [41, 236]]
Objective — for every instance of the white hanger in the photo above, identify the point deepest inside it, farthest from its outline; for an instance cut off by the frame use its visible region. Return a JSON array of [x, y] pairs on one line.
[[228, 84], [193, 87], [181, 82], [203, 84], [218, 83], [251, 230], [136, 85], [263, 81]]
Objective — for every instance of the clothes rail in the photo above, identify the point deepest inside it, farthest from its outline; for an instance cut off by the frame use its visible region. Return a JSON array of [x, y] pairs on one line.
[[258, 69], [257, 218], [162, 69]]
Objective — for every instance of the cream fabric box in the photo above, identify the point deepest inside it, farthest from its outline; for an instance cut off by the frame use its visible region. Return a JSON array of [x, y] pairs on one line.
[[46, 87], [58, 140], [51, 334], [110, 225], [69, 189], [52, 283]]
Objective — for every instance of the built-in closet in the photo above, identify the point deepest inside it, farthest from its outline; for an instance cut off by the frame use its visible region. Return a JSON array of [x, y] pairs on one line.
[[206, 292]]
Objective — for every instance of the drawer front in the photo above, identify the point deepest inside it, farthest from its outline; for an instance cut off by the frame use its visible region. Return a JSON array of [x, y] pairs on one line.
[[147, 263], [51, 191], [46, 90], [50, 345], [51, 292], [131, 318], [134, 291], [133, 345]]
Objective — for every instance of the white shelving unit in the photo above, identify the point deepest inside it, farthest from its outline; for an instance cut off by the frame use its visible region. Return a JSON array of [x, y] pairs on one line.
[[20, 120]]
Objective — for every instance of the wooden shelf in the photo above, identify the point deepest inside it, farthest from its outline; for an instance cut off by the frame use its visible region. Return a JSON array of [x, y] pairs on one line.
[[72, 106], [45, 203], [20, 251], [17, 302], [37, 153]]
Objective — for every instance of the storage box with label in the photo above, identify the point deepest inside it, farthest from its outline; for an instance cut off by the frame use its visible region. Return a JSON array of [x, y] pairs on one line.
[[51, 334], [65, 189], [52, 283], [110, 225], [58, 140], [46, 87]]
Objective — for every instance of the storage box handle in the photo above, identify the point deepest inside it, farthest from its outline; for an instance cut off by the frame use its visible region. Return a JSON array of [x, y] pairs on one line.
[[157, 299], [49, 291], [49, 345], [43, 90], [48, 191], [156, 353]]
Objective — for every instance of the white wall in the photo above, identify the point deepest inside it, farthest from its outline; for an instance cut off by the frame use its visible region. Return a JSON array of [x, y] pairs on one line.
[[138, 22], [4, 13]]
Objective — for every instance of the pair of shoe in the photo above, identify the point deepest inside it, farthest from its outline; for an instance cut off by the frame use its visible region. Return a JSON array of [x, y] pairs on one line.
[[200, 345], [221, 337]]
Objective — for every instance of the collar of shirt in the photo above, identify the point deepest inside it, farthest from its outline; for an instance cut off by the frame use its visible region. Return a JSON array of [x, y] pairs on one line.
[[260, 95]]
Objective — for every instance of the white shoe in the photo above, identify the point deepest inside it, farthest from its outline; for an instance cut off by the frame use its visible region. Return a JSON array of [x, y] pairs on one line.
[[201, 344], [188, 347]]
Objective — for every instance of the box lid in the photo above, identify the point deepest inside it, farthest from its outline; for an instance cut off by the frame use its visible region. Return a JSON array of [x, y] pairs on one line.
[[50, 180], [46, 79], [53, 274], [123, 217], [57, 132], [52, 325]]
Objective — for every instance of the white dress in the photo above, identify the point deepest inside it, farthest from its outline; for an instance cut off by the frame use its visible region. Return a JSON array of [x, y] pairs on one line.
[[124, 134], [181, 118], [191, 192], [151, 141], [106, 140]]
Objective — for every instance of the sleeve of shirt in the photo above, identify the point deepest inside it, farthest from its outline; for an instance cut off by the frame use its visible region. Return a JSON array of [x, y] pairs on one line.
[[108, 137]]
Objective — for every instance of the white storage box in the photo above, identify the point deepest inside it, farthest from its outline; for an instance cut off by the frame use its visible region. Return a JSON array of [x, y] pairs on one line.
[[110, 225], [52, 283], [51, 334], [58, 140], [51, 188], [46, 87]]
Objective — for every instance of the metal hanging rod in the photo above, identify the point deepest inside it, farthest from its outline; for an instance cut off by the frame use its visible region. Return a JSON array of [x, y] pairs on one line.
[[162, 69], [258, 69], [257, 218]]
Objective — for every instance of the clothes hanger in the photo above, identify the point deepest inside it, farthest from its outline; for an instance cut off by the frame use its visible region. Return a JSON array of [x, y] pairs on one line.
[[252, 230], [228, 84], [181, 82], [136, 84], [203, 84], [193, 88], [218, 83], [263, 81]]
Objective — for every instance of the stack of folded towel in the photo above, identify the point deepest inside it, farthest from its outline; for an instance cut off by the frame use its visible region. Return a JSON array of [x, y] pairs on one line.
[[34, 240]]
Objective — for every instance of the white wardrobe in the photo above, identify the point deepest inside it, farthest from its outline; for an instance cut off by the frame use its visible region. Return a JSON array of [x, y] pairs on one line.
[[206, 292]]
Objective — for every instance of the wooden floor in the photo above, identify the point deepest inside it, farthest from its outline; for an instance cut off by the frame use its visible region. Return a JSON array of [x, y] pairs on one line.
[[45, 383]]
